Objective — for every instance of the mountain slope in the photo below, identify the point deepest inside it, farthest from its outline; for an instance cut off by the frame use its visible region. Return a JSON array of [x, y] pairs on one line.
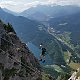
[[16, 61], [21, 24], [68, 23]]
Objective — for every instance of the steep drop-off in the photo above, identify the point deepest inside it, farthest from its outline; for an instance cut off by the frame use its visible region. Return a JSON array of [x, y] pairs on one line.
[[16, 61]]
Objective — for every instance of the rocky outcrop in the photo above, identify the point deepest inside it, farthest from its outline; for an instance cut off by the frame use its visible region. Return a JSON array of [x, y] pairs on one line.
[[16, 61], [75, 75]]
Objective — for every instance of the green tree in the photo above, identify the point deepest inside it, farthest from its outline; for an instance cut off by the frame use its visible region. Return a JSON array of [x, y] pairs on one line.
[[8, 28]]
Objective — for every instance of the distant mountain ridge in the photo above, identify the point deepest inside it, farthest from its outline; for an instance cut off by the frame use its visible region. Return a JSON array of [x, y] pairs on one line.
[[50, 11], [9, 11], [38, 16]]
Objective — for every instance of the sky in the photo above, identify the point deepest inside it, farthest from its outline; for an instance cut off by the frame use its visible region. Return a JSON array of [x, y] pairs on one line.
[[21, 5]]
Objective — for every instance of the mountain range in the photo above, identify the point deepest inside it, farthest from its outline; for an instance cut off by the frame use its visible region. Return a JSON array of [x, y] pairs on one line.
[[31, 31], [49, 11], [59, 34], [9, 11], [61, 18]]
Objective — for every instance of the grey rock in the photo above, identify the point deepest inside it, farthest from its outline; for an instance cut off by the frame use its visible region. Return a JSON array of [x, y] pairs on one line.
[[16, 61]]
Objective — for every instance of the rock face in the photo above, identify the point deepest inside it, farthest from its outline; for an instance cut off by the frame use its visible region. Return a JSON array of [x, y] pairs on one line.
[[16, 61]]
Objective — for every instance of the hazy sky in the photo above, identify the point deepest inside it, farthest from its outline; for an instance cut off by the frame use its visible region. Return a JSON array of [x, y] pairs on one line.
[[20, 5]]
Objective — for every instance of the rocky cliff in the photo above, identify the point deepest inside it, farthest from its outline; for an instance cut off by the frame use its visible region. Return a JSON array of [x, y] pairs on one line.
[[16, 61]]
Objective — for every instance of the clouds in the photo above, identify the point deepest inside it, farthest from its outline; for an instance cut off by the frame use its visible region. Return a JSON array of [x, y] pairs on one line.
[[14, 5], [7, 3], [20, 5], [66, 2]]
